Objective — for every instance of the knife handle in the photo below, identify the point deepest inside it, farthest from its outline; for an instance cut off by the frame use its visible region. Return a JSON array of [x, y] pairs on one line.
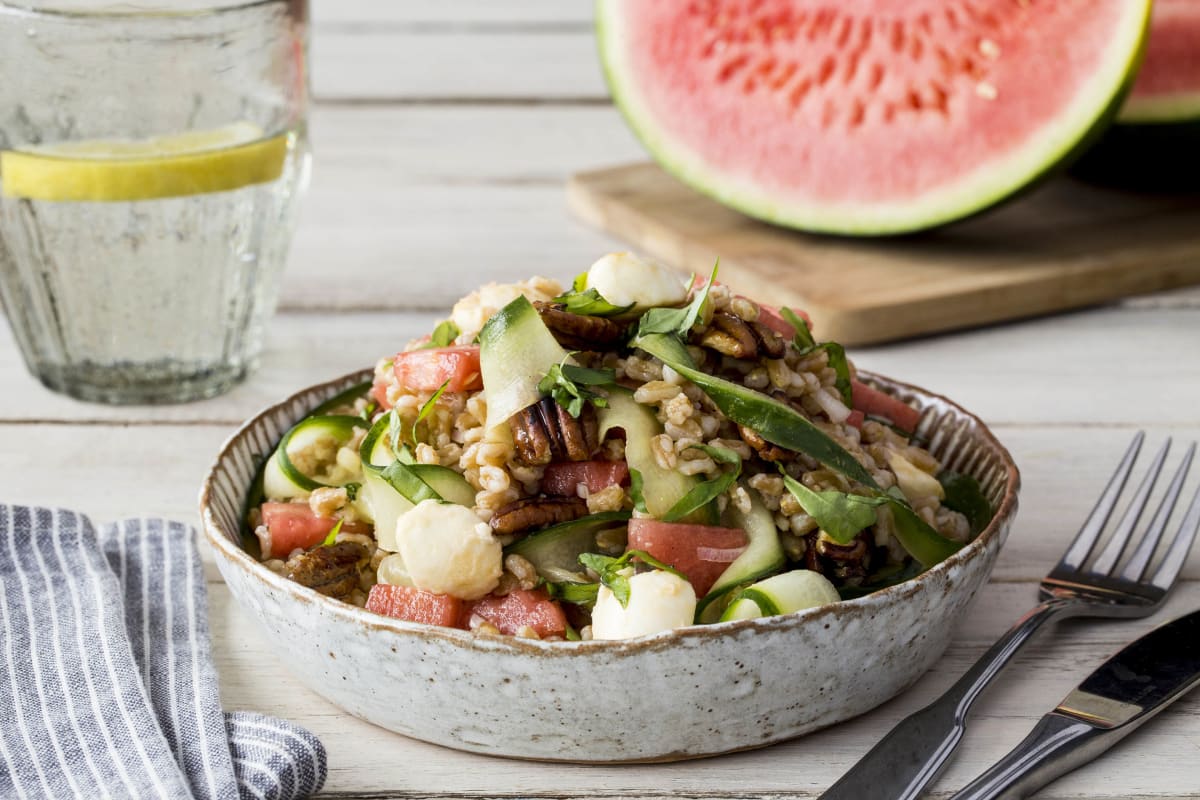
[[918, 748], [1058, 744]]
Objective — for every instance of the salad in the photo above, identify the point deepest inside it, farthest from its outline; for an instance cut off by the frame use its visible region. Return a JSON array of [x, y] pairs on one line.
[[634, 454]]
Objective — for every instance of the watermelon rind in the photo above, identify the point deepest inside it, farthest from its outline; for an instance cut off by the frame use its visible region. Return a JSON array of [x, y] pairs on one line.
[[1174, 108], [1091, 112]]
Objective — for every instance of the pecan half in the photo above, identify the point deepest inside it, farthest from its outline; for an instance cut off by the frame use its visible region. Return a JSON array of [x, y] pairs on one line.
[[579, 331], [537, 512], [545, 432], [848, 560], [331, 570], [765, 450], [770, 343], [730, 335]]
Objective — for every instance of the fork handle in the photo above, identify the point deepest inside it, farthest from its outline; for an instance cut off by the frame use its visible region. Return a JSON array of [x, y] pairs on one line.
[[916, 751]]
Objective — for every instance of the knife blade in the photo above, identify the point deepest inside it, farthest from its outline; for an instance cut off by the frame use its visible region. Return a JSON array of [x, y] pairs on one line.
[[1127, 690]]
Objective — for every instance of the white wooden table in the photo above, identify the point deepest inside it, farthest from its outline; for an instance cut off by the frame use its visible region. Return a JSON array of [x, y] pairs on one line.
[[443, 134]]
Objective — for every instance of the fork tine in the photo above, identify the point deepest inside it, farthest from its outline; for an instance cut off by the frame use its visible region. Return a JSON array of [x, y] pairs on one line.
[[1173, 562], [1085, 540], [1124, 532], [1141, 558]]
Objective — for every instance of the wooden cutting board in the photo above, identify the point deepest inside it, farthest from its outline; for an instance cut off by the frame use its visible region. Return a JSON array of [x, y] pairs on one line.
[[1062, 246]]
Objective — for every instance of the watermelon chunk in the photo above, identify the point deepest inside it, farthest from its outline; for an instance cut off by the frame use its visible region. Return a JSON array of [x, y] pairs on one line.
[[518, 609], [867, 116], [414, 605], [700, 552]]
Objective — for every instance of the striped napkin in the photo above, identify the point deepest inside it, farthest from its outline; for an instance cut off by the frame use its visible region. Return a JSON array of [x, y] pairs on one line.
[[107, 684]]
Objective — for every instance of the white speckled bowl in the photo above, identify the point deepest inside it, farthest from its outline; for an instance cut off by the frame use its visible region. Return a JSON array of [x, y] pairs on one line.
[[689, 693]]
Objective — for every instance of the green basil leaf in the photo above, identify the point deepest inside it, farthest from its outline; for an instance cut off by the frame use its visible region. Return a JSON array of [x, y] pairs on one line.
[[443, 335], [917, 537], [395, 430], [803, 338], [708, 491], [677, 321], [839, 364], [580, 594], [842, 516], [427, 408], [566, 384], [805, 344], [635, 490], [590, 303], [965, 495], [776, 422], [611, 570], [333, 534], [401, 478]]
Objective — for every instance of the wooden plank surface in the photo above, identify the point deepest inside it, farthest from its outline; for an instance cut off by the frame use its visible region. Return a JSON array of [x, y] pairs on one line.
[[442, 139], [1063, 245]]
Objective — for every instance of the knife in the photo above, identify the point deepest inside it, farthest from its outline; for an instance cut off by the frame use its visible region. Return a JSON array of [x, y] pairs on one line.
[[1111, 703]]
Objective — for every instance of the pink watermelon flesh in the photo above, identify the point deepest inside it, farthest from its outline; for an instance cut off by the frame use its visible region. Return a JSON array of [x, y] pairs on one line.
[[866, 115], [1171, 69]]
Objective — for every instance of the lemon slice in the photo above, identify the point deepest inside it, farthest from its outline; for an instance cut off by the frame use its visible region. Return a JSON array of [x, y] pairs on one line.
[[109, 170]]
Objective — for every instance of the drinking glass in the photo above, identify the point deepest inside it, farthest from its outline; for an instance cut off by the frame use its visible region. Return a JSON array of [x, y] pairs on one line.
[[151, 161]]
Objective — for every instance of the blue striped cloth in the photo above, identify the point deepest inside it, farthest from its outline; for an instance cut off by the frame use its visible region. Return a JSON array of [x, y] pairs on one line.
[[107, 684]]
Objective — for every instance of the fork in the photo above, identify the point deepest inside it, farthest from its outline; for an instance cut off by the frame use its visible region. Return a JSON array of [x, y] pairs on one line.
[[915, 752]]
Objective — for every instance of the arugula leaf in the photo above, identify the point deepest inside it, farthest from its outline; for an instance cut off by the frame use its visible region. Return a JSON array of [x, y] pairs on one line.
[[333, 534], [842, 516], [611, 571], [703, 494], [443, 335], [805, 344], [635, 490], [965, 495], [677, 321], [567, 383], [427, 408], [590, 302]]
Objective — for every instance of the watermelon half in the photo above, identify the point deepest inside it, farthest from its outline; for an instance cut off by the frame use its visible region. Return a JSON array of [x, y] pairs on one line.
[[867, 116], [1156, 138]]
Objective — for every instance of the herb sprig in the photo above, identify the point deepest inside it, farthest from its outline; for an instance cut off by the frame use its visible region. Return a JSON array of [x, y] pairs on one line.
[[569, 385], [613, 572], [678, 321]]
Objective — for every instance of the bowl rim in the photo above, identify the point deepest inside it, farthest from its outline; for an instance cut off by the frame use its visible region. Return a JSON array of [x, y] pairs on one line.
[[237, 557]]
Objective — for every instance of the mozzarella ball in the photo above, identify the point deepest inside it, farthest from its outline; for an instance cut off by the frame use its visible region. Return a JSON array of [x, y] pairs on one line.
[[623, 278], [658, 601], [448, 550], [473, 311]]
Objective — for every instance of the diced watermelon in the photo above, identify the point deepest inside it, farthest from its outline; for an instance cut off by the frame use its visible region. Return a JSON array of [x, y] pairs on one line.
[[562, 477], [770, 316], [426, 370], [518, 609], [293, 525], [856, 419], [700, 552], [415, 605], [874, 403]]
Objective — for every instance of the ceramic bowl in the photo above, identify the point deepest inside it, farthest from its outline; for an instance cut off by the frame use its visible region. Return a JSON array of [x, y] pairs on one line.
[[688, 693]]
